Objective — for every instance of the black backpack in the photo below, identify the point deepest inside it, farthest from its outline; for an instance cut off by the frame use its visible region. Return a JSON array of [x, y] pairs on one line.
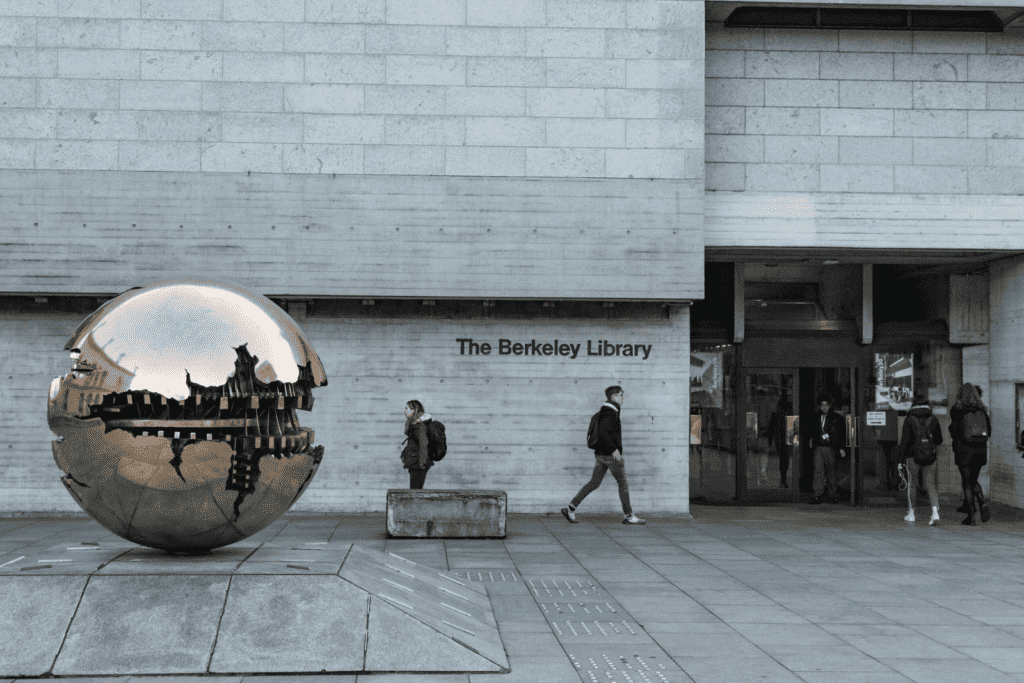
[[437, 445], [975, 428], [592, 437], [923, 449]]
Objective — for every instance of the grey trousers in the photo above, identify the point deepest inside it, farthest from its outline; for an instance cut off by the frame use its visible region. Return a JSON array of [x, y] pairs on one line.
[[602, 464], [825, 471]]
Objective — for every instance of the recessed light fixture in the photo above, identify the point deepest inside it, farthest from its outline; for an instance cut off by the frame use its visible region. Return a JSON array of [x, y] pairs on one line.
[[830, 262]]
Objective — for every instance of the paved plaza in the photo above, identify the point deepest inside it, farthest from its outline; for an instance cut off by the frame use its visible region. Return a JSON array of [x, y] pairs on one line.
[[770, 593]]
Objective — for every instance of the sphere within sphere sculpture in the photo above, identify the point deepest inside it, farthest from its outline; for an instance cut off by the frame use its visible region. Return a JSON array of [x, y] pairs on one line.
[[177, 425]]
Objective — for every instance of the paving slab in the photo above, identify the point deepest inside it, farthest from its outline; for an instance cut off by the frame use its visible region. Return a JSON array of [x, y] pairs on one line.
[[139, 560], [857, 585], [411, 678], [436, 599], [289, 567], [625, 663], [526, 669], [298, 624], [721, 669], [35, 612], [399, 641], [143, 625], [322, 678]]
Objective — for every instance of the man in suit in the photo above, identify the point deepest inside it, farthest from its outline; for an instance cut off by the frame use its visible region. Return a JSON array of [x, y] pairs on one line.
[[826, 440]]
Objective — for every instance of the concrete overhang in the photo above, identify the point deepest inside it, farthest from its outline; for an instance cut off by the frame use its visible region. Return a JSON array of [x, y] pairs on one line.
[[1010, 13]]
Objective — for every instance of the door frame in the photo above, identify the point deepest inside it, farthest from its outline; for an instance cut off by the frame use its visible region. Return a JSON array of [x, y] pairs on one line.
[[743, 492]]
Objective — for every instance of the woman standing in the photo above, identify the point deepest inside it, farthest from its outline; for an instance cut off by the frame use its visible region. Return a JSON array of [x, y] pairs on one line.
[[416, 454], [968, 419]]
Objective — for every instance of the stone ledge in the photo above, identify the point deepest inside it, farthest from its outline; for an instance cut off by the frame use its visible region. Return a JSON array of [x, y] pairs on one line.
[[469, 513]]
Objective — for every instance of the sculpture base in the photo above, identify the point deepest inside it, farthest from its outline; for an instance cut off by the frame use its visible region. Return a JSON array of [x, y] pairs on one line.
[[116, 609]]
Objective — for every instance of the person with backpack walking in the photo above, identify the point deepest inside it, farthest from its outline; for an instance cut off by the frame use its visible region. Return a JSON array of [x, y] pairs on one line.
[[605, 437], [918, 448], [416, 453], [969, 429]]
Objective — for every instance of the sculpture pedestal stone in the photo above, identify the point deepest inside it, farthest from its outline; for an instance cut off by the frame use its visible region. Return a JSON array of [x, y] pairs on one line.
[[470, 513], [276, 608]]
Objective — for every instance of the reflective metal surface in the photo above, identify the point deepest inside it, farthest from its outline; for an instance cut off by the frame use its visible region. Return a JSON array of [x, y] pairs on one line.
[[177, 425]]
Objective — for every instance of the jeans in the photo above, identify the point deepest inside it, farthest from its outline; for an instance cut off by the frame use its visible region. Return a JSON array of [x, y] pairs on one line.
[[603, 464], [930, 475], [825, 471], [416, 478]]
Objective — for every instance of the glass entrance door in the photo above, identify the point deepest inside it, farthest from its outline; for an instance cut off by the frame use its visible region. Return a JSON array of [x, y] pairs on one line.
[[770, 451]]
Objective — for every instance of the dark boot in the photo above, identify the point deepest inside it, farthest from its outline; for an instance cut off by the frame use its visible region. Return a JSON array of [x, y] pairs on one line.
[[979, 496], [963, 507]]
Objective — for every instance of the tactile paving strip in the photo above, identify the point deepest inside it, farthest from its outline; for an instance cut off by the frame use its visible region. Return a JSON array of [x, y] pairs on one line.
[[597, 630], [566, 589], [581, 610], [495, 575], [623, 664]]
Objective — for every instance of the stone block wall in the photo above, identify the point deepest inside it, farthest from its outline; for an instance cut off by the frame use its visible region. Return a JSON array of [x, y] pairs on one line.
[[517, 423], [547, 88], [845, 111], [1006, 369]]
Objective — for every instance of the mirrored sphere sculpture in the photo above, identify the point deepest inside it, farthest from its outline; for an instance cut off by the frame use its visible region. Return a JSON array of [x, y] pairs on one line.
[[177, 425]]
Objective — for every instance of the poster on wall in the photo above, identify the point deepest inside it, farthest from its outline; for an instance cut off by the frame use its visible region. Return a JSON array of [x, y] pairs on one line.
[[894, 381], [706, 379]]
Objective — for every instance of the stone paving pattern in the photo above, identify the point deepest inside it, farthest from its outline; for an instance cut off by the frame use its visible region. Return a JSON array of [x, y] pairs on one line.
[[771, 593]]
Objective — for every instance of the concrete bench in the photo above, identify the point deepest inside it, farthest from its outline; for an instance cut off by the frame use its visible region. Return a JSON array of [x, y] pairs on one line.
[[471, 513]]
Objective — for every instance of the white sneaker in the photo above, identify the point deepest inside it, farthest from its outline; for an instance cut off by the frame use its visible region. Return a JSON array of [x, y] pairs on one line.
[[569, 515], [935, 518], [633, 519], [909, 517]]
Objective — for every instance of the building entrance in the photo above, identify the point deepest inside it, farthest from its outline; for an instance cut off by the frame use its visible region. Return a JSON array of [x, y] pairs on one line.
[[770, 446], [775, 461]]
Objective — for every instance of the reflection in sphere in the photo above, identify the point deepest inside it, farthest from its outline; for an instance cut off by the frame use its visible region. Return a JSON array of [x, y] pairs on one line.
[[177, 426]]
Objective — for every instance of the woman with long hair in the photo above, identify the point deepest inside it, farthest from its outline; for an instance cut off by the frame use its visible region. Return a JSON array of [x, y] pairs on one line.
[[970, 451], [416, 453]]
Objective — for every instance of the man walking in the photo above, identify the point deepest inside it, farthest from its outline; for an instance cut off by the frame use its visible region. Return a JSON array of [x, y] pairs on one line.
[[608, 456], [826, 439]]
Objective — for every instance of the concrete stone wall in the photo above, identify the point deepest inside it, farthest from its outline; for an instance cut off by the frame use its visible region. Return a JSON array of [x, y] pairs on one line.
[[295, 235], [1006, 368], [547, 88], [837, 111], [514, 422]]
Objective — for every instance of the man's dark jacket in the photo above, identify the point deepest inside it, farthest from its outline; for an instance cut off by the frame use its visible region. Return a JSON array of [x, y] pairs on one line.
[[833, 427], [609, 431]]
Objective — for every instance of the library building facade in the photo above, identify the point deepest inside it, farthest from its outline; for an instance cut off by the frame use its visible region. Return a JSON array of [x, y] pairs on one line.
[[500, 209]]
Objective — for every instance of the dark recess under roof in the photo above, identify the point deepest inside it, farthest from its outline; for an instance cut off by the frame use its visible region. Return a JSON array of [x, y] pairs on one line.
[[864, 18]]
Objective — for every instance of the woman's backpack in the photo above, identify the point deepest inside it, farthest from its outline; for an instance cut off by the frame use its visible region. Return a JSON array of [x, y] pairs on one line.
[[975, 428], [437, 445], [923, 451]]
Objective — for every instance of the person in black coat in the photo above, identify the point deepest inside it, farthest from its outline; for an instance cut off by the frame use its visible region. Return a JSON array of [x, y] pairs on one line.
[[827, 439], [416, 453], [970, 456], [920, 417], [607, 456]]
